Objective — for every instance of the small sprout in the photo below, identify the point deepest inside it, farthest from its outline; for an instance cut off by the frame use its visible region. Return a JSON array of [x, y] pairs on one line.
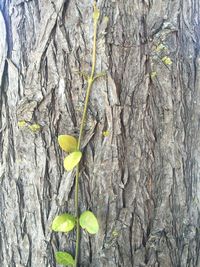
[[167, 60], [161, 47], [99, 75], [64, 258], [34, 127], [115, 233], [106, 19], [72, 160], [66, 222], [106, 133], [82, 73], [68, 143], [89, 222], [63, 223], [96, 12], [21, 124], [153, 74]]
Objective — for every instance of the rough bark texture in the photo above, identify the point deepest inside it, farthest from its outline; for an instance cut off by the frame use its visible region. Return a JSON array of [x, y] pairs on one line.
[[142, 180]]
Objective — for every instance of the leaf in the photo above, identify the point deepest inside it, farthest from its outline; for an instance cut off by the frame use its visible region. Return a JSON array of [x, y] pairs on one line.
[[161, 47], [34, 127], [21, 124], [68, 143], [167, 60], [89, 222], [63, 223], [153, 74], [96, 12], [64, 258], [115, 233], [106, 133], [72, 160]]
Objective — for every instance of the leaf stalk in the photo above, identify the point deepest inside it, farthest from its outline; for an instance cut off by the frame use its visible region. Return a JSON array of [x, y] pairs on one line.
[[90, 82]]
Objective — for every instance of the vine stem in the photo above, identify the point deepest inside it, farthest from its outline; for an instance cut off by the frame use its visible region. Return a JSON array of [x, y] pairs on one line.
[[90, 81]]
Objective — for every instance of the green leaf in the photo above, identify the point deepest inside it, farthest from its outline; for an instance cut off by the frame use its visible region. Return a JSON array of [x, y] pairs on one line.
[[63, 223], [68, 143], [89, 222], [64, 258], [72, 160]]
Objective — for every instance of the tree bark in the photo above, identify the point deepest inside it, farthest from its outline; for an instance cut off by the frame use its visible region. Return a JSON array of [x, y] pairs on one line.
[[142, 181]]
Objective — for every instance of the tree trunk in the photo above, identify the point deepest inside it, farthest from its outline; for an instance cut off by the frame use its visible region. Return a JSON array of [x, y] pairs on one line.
[[142, 180]]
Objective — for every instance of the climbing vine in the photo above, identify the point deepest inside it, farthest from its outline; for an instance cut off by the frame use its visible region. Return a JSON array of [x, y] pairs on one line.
[[67, 222]]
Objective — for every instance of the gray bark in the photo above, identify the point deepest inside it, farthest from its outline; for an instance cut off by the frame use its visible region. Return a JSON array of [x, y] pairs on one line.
[[142, 181]]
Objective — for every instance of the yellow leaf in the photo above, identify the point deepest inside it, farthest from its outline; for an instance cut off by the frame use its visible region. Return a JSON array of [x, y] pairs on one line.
[[21, 124], [72, 160], [96, 12], [153, 74], [34, 127], [167, 60], [161, 47], [115, 233], [106, 19], [106, 133], [67, 142]]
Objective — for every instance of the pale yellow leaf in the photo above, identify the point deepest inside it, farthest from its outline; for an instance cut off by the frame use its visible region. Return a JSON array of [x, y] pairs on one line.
[[67, 142], [72, 160]]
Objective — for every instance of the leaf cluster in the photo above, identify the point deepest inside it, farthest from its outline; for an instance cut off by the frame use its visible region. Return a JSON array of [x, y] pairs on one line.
[[70, 145], [87, 221], [66, 222]]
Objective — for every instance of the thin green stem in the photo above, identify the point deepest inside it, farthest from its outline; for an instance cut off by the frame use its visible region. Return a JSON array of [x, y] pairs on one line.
[[90, 81], [94, 49], [77, 216], [77, 172]]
